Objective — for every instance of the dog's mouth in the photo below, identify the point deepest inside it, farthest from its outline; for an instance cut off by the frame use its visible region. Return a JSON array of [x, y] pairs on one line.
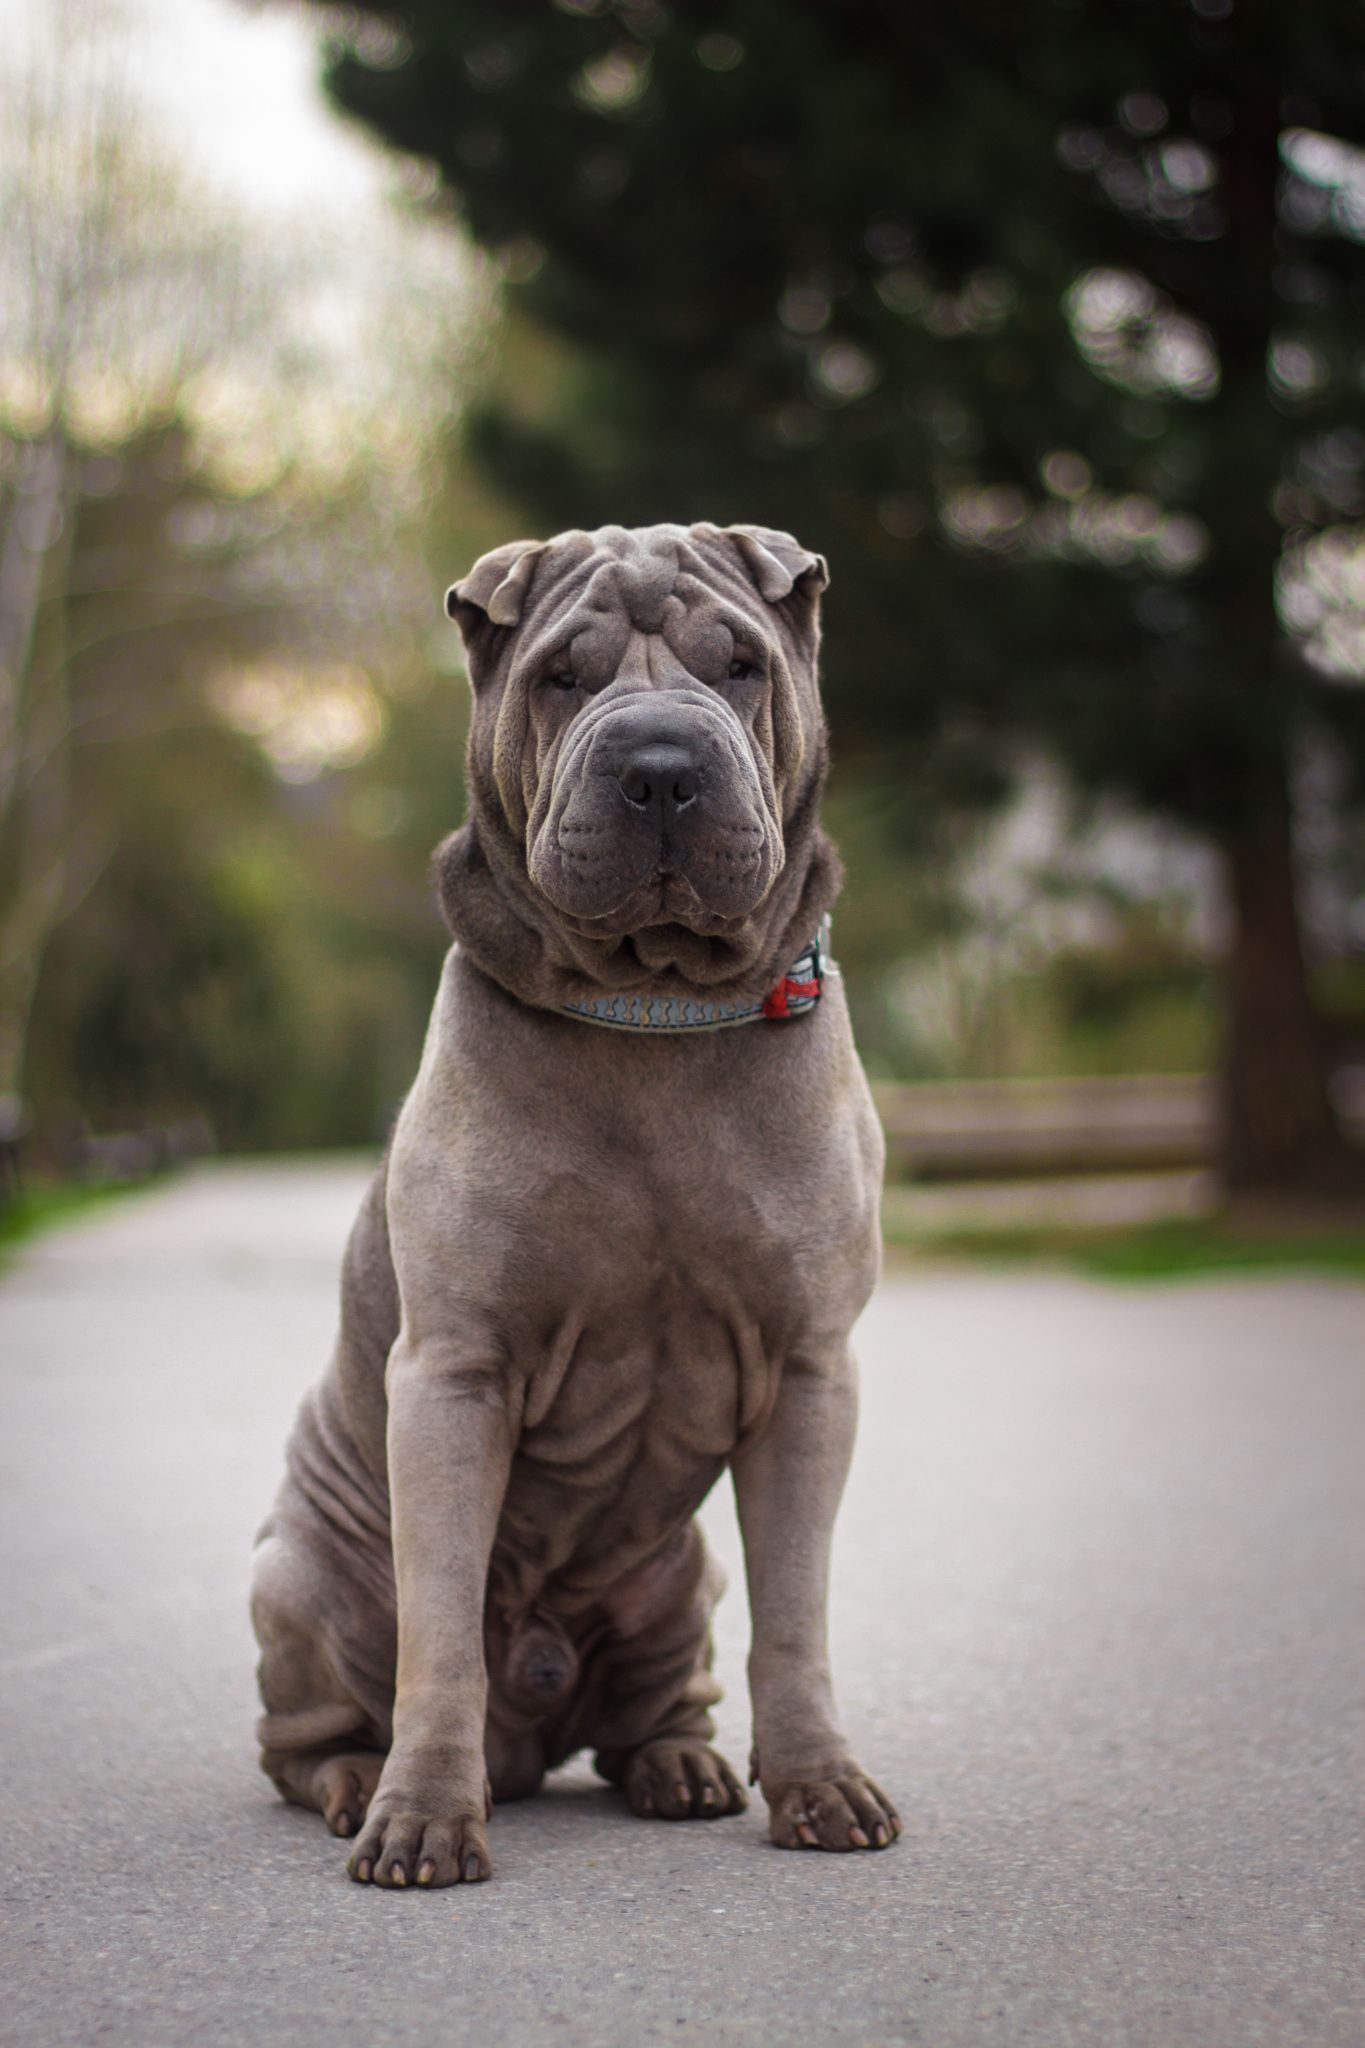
[[667, 900], [601, 865]]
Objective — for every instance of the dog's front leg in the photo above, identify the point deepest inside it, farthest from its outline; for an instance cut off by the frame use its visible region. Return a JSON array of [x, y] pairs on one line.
[[788, 1484], [449, 1452]]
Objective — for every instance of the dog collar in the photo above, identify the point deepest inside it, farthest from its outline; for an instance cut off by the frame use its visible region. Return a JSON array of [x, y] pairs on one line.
[[799, 990]]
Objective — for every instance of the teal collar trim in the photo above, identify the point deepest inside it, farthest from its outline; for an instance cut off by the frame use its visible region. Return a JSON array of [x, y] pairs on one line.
[[799, 990]]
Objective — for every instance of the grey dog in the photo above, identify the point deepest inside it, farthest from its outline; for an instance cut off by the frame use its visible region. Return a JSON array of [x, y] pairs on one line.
[[618, 1243]]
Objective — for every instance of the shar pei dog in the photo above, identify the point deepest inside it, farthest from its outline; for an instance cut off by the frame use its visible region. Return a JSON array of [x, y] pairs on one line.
[[625, 1225]]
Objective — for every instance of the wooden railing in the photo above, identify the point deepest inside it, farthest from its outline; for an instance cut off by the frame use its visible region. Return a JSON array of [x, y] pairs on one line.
[[960, 1130]]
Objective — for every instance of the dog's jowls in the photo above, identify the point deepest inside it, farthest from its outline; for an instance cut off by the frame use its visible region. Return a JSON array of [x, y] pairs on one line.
[[598, 1266]]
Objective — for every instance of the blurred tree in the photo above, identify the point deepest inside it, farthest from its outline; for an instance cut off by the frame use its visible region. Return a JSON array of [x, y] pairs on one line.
[[257, 764], [260, 745], [111, 301], [1043, 321], [212, 534]]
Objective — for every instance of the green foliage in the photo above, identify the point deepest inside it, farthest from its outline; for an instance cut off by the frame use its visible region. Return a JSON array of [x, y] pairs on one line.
[[38, 1208], [814, 265], [1061, 975]]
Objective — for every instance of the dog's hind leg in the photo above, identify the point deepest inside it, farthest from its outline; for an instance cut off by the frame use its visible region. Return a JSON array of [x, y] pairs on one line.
[[653, 1725], [325, 1671]]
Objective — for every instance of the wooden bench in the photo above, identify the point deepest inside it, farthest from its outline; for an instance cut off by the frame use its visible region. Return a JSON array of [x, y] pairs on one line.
[[966, 1130]]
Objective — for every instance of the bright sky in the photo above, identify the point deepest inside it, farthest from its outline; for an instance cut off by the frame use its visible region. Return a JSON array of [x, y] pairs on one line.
[[241, 81], [236, 83], [231, 88]]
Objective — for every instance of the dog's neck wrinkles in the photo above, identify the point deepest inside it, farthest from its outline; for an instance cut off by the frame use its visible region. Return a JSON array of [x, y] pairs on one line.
[[520, 942]]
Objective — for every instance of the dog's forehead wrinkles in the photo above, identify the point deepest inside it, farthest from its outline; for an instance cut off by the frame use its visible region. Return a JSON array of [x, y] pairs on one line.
[[633, 573], [638, 580]]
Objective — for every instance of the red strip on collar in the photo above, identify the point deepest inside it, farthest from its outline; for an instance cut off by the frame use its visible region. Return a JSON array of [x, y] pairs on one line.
[[776, 1004]]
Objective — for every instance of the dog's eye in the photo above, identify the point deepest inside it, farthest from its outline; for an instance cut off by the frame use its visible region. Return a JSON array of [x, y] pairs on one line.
[[562, 679], [740, 670]]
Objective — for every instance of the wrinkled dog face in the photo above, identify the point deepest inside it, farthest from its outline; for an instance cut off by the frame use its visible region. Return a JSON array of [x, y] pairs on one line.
[[645, 703]]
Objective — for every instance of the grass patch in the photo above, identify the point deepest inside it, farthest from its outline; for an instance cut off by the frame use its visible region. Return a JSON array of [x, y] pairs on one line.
[[38, 1207], [1162, 1251], [1152, 1251]]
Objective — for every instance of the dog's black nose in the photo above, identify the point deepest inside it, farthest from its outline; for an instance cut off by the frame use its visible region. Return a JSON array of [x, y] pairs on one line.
[[660, 776]]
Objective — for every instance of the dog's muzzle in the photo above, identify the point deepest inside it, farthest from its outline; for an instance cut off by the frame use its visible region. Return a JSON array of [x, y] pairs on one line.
[[658, 808]]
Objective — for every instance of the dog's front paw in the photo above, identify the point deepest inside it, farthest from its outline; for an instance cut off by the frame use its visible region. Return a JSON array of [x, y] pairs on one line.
[[845, 1812], [421, 1845], [683, 1780]]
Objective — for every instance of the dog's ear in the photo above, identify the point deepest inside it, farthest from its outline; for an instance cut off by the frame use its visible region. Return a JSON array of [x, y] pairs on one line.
[[495, 589], [777, 563]]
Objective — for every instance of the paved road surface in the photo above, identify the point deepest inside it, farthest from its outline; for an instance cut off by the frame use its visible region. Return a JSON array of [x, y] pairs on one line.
[[1098, 1626]]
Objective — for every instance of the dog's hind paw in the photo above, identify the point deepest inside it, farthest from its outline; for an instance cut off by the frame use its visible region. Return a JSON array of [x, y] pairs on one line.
[[344, 1787], [681, 1781]]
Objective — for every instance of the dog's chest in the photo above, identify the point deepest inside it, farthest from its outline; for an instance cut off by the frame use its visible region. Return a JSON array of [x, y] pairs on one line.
[[629, 1419]]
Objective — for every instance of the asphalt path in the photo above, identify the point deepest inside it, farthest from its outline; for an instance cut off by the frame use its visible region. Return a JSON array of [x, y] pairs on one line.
[[1099, 1595]]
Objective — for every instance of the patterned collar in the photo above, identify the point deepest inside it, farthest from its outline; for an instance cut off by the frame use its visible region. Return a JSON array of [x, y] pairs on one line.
[[798, 991]]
